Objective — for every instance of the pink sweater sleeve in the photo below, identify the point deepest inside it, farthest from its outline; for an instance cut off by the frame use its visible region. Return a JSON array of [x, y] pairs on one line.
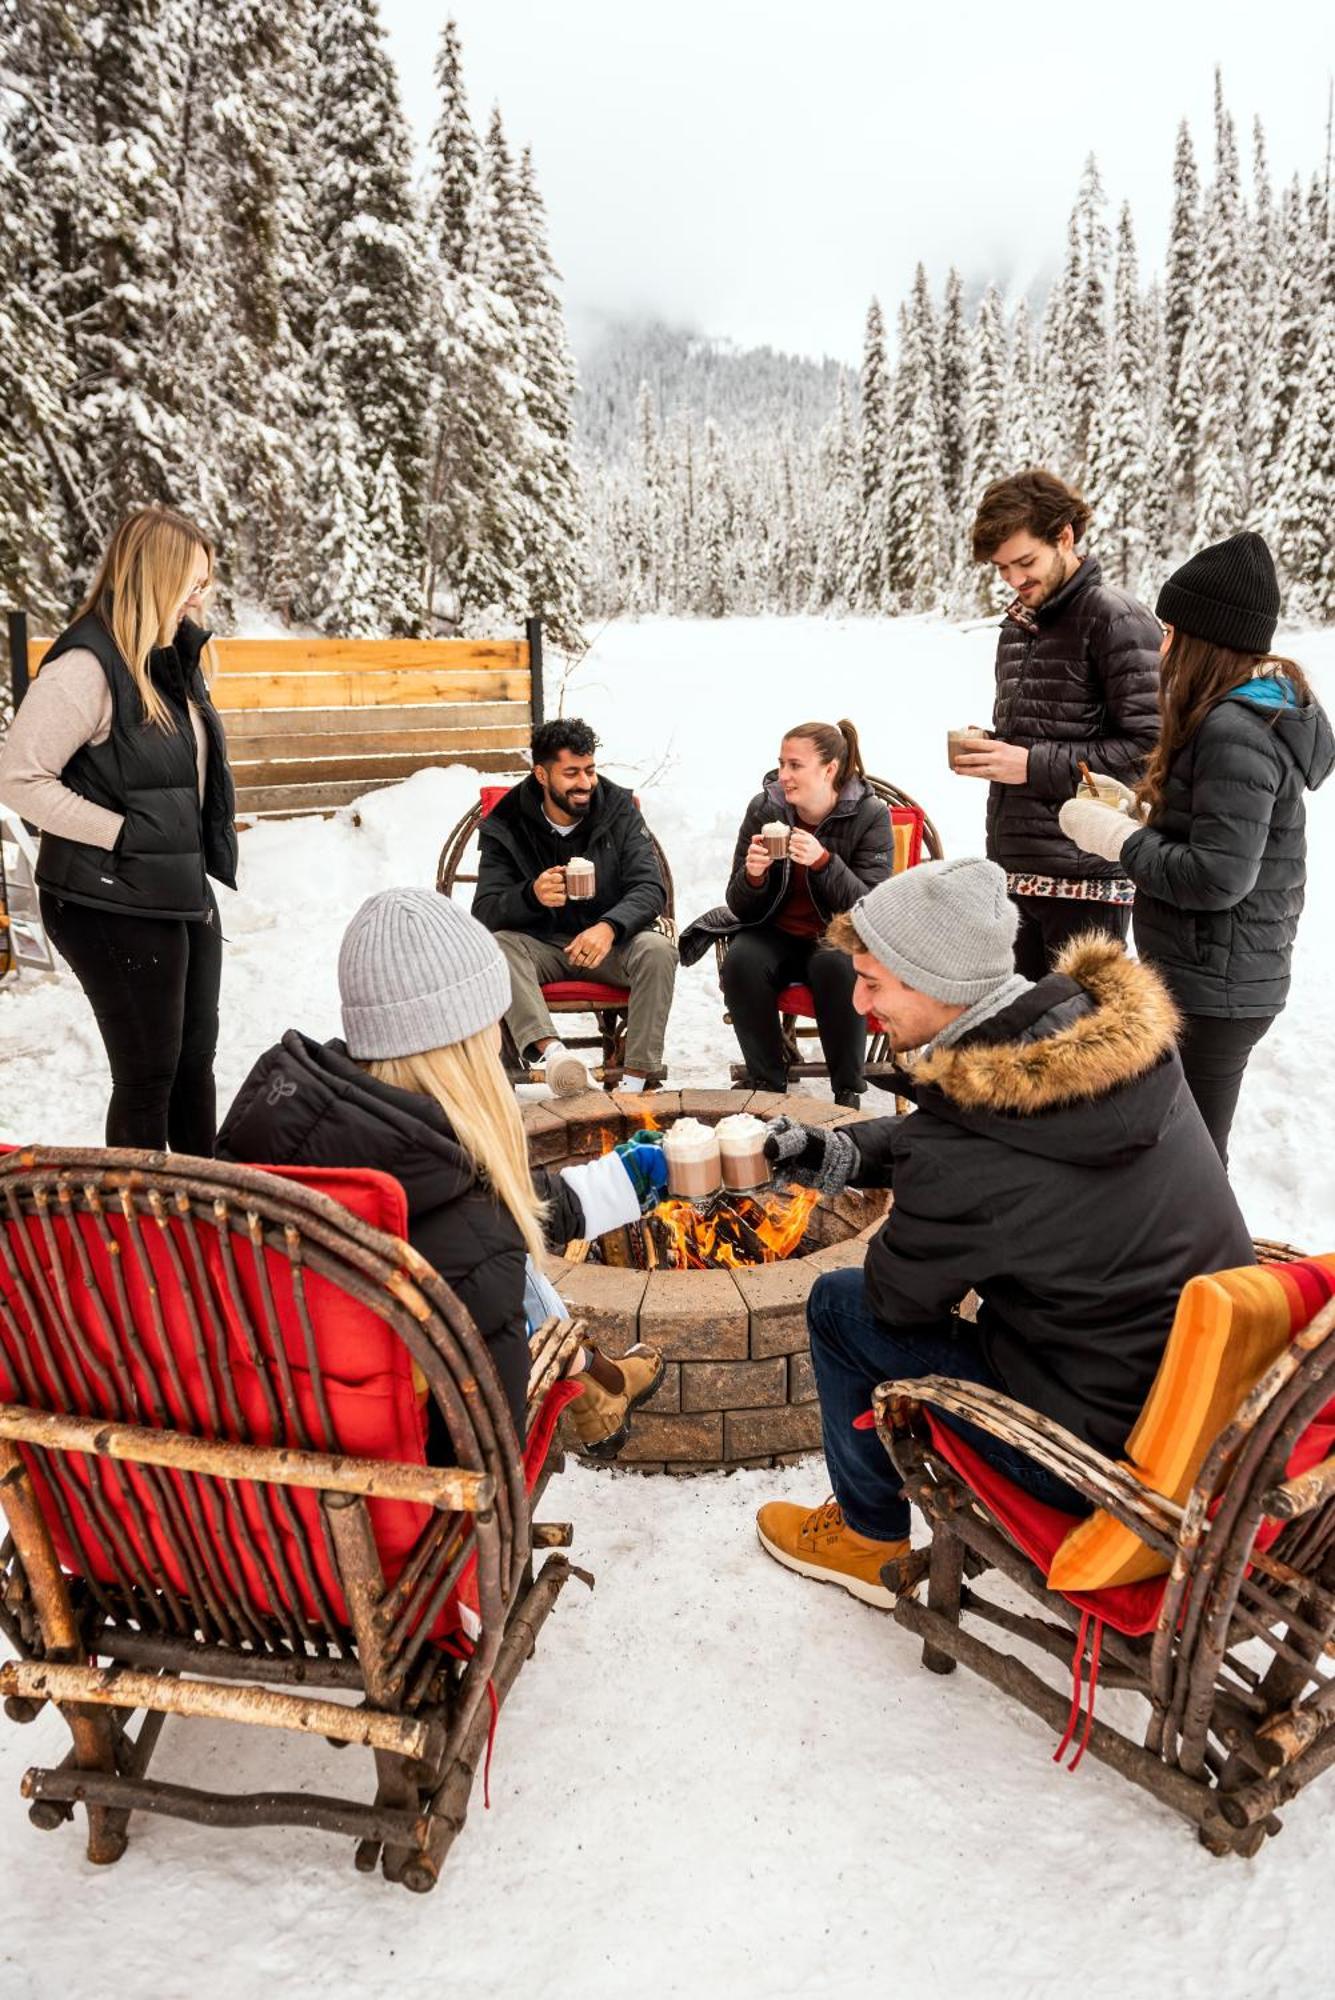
[[68, 705]]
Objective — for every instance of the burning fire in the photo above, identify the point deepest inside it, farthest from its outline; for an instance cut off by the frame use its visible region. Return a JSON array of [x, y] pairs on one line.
[[737, 1230]]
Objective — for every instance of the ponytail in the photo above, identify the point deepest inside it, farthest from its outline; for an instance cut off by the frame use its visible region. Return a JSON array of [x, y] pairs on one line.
[[836, 743]]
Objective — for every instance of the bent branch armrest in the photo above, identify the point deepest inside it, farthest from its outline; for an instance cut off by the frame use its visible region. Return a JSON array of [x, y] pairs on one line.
[[448, 1488], [1100, 1480], [1301, 1494]]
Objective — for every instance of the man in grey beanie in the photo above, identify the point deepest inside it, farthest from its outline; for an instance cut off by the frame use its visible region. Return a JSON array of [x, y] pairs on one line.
[[1055, 1164]]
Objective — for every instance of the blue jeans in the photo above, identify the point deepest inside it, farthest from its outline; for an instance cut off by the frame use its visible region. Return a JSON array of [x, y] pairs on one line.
[[851, 1351]]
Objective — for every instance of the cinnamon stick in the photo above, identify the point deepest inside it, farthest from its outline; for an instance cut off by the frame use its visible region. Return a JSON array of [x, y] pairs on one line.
[[1089, 784]]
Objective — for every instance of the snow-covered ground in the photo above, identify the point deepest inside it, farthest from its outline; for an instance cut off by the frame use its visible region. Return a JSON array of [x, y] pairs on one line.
[[713, 1777]]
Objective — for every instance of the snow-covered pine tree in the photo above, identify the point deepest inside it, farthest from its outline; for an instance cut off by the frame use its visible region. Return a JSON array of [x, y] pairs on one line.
[[986, 451], [953, 376], [871, 585], [648, 521], [1085, 322], [1118, 445], [34, 381], [1023, 424], [347, 545], [915, 511], [1304, 503], [1182, 284], [836, 528], [1221, 348], [370, 337], [1050, 424], [1281, 363]]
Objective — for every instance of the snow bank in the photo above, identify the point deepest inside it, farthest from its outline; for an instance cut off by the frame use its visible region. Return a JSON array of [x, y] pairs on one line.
[[713, 1776]]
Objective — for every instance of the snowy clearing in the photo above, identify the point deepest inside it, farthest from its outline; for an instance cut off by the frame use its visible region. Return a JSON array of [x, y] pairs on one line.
[[713, 1776]]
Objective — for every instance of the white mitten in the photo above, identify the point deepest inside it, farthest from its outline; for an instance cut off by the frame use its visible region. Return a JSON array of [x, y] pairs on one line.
[[1096, 828], [1124, 796]]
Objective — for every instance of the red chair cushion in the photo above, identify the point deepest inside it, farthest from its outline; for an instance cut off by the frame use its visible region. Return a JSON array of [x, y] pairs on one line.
[[376, 1407], [797, 1000], [584, 993], [490, 796]]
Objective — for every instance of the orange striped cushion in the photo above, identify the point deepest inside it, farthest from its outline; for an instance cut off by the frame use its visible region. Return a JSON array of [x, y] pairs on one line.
[[1227, 1331]]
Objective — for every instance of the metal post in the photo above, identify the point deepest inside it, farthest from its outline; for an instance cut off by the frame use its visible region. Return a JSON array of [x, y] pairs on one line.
[[533, 633], [17, 622]]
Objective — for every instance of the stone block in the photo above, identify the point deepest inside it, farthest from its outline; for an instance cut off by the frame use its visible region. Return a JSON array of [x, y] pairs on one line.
[[776, 1297], [801, 1378], [637, 1105], [861, 1208], [592, 1120], [547, 1137], [758, 1433], [772, 1104], [694, 1316], [669, 1440], [733, 1385], [666, 1399], [711, 1105], [609, 1300], [840, 1256]]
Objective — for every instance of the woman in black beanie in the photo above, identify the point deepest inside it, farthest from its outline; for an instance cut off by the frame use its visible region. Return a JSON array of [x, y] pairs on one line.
[[1220, 862]]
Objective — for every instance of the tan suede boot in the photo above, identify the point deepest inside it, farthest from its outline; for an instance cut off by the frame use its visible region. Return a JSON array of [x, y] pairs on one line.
[[818, 1542], [602, 1416]]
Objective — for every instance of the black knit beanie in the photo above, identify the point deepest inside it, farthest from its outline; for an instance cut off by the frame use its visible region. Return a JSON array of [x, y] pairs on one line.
[[1228, 594]]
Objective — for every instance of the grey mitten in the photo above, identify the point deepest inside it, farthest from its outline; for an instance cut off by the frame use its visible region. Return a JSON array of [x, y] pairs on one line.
[[815, 1156]]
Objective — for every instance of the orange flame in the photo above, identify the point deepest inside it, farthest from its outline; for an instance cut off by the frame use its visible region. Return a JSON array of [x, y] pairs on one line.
[[775, 1224]]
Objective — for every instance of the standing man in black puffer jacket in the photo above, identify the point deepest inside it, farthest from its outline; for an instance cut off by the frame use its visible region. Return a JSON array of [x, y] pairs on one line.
[[1077, 681]]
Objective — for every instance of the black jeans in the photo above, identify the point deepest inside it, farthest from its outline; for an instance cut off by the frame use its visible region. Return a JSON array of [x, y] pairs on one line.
[[1214, 1056], [152, 983], [1049, 922], [758, 965]]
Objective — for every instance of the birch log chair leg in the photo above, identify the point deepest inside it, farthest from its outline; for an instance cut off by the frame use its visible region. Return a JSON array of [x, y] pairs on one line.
[[215, 1386]]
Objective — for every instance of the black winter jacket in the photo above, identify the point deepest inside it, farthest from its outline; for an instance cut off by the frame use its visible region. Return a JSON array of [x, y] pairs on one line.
[[1221, 873], [856, 835], [169, 841], [1057, 1164], [307, 1105], [516, 844], [1084, 684]]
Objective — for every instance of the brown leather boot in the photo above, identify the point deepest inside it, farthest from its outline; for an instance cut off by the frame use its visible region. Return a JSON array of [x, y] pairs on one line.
[[602, 1416]]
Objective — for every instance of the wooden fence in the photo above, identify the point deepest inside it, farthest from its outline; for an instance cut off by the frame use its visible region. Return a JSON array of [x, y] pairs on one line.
[[313, 723]]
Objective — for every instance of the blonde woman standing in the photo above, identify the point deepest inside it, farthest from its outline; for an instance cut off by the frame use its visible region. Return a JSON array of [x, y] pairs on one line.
[[417, 1090], [117, 754]]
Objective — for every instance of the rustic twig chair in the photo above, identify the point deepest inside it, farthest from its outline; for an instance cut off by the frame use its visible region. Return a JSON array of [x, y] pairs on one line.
[[916, 839], [608, 1004], [217, 1384], [1250, 1562]]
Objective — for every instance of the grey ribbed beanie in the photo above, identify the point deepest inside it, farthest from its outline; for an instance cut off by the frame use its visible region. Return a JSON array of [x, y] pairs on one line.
[[946, 928], [415, 972]]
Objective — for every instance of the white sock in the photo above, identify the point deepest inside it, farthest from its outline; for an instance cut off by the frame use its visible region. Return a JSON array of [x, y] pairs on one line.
[[631, 1083]]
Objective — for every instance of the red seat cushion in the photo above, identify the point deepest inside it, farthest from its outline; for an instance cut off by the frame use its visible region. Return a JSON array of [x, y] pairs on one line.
[[585, 993], [376, 1407], [797, 1000]]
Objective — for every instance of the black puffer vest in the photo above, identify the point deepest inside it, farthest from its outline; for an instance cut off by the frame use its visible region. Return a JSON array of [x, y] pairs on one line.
[[151, 776]]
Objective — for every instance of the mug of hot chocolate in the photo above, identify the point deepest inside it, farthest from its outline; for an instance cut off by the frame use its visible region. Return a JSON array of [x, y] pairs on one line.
[[581, 879], [692, 1152], [741, 1144], [775, 833], [968, 740]]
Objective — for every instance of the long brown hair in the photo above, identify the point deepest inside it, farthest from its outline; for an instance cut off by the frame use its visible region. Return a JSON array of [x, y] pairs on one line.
[[139, 587], [1195, 677], [836, 743]]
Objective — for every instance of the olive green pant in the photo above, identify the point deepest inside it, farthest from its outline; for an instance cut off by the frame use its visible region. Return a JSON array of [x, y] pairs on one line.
[[646, 964]]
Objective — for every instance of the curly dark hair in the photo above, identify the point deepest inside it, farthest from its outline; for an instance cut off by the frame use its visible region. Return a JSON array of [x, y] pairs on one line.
[[1032, 502], [563, 732]]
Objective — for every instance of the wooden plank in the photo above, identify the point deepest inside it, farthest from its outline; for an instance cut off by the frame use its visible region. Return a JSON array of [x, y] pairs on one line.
[[389, 766], [356, 689], [322, 655], [264, 724], [425, 743], [322, 798]]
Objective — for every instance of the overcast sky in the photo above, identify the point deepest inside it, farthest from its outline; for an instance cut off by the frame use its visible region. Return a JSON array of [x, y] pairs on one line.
[[759, 170]]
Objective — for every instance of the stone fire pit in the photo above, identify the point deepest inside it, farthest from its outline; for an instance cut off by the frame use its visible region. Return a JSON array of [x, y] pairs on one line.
[[739, 1387]]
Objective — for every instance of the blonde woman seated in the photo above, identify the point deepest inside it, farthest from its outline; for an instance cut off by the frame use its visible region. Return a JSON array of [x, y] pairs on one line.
[[416, 1089]]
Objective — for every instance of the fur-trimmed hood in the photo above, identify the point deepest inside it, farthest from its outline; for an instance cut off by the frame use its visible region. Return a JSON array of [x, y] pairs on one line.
[[1083, 1067]]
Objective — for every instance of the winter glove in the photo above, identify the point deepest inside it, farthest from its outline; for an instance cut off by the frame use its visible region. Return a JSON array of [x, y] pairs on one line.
[[606, 1192], [814, 1156], [1096, 828], [646, 1163]]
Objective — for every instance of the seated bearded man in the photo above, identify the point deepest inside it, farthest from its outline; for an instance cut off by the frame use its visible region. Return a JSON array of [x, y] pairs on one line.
[[1055, 1163]]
